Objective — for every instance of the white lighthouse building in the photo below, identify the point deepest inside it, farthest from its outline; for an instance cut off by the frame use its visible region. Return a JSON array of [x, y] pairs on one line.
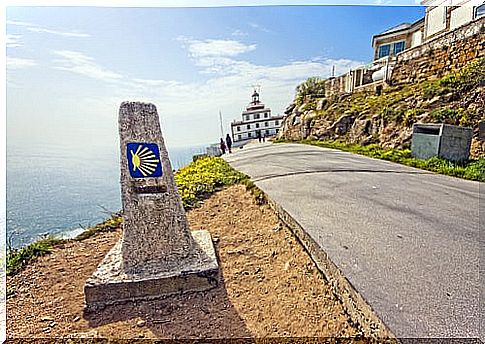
[[257, 121]]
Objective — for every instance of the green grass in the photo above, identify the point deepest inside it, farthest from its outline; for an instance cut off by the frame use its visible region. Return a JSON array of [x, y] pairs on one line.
[[17, 259], [472, 170], [108, 225]]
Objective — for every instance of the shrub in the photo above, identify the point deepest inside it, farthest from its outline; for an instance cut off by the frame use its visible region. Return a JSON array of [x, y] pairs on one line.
[[434, 89], [204, 176], [410, 115], [448, 81], [466, 78], [445, 115], [313, 87], [393, 114], [471, 76]]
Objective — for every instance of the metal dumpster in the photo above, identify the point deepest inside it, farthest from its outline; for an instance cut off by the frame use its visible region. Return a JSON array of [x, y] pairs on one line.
[[443, 140]]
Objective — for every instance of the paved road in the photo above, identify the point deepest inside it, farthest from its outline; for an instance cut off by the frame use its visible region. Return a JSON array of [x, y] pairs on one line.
[[407, 239]]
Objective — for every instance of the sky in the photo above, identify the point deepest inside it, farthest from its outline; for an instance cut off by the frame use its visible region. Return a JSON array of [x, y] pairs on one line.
[[69, 68]]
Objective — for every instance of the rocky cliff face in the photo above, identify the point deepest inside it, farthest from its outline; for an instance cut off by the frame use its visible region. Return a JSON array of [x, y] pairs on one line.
[[387, 119]]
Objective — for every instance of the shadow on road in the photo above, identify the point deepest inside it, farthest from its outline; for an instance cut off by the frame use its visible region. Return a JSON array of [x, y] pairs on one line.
[[288, 174]]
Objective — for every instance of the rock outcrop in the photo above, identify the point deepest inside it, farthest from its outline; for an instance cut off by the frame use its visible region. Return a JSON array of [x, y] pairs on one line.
[[387, 119]]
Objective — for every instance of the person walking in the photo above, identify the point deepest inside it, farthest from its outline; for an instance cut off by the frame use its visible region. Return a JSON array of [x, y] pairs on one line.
[[259, 136], [228, 143], [223, 146]]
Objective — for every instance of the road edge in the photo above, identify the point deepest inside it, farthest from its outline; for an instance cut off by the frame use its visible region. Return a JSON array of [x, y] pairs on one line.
[[354, 304]]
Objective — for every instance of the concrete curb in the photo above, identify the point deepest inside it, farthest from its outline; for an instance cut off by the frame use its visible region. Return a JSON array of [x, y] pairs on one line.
[[354, 304]]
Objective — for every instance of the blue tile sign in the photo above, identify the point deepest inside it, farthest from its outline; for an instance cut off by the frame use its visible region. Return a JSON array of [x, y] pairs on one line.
[[143, 160]]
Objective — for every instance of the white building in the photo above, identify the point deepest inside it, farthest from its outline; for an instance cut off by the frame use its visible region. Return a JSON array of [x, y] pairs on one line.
[[447, 15], [256, 121]]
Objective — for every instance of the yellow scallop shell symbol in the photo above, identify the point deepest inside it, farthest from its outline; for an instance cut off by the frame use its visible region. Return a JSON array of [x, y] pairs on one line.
[[144, 160]]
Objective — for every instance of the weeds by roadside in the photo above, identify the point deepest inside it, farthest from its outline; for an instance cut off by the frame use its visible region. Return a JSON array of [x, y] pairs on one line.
[[471, 170], [204, 176], [257, 193]]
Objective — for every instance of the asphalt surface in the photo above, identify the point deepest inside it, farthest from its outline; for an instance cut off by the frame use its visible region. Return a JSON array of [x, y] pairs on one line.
[[408, 240]]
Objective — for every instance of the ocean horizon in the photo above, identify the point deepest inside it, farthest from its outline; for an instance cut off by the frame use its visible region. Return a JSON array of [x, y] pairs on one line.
[[55, 190]]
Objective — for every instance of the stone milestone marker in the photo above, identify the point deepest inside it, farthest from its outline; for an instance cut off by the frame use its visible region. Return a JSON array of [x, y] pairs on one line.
[[157, 254]]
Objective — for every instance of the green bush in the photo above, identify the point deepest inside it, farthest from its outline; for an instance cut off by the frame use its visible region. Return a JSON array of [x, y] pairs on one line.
[[448, 81], [468, 77], [465, 79], [431, 90], [204, 176], [410, 116], [459, 116], [446, 115], [313, 87]]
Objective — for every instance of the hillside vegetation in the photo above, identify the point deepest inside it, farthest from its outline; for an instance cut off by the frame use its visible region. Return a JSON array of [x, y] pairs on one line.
[[386, 119]]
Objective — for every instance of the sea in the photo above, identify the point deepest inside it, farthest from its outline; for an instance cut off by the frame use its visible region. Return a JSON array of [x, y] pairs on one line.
[[57, 190]]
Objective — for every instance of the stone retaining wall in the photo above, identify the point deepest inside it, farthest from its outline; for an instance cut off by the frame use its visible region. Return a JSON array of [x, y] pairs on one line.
[[442, 55], [335, 86]]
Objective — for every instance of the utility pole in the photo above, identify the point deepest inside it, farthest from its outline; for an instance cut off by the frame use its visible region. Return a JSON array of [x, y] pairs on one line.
[[222, 127]]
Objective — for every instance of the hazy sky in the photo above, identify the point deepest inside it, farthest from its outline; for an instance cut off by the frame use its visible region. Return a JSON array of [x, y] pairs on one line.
[[69, 68]]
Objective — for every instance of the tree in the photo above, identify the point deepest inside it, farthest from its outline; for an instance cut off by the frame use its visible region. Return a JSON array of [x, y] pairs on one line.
[[314, 87]]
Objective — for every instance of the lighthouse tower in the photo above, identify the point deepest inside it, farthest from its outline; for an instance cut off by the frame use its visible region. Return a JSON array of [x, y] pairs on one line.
[[256, 121]]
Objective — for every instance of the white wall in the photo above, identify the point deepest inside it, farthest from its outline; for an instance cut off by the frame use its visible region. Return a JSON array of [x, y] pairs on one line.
[[272, 126], [348, 83], [436, 20], [416, 38], [260, 112], [460, 16], [254, 134]]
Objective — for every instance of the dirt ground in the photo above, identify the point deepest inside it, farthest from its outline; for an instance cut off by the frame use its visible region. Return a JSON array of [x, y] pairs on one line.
[[269, 287]]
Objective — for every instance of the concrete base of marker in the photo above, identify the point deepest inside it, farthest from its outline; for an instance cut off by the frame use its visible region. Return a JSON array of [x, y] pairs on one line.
[[111, 285]]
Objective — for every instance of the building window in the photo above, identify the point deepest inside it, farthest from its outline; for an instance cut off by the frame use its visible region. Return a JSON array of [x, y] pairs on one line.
[[256, 116], [265, 115], [249, 134], [277, 131], [480, 11], [267, 132], [257, 125], [398, 47], [238, 128], [384, 50], [266, 124], [247, 117], [276, 122], [249, 126], [238, 137]]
